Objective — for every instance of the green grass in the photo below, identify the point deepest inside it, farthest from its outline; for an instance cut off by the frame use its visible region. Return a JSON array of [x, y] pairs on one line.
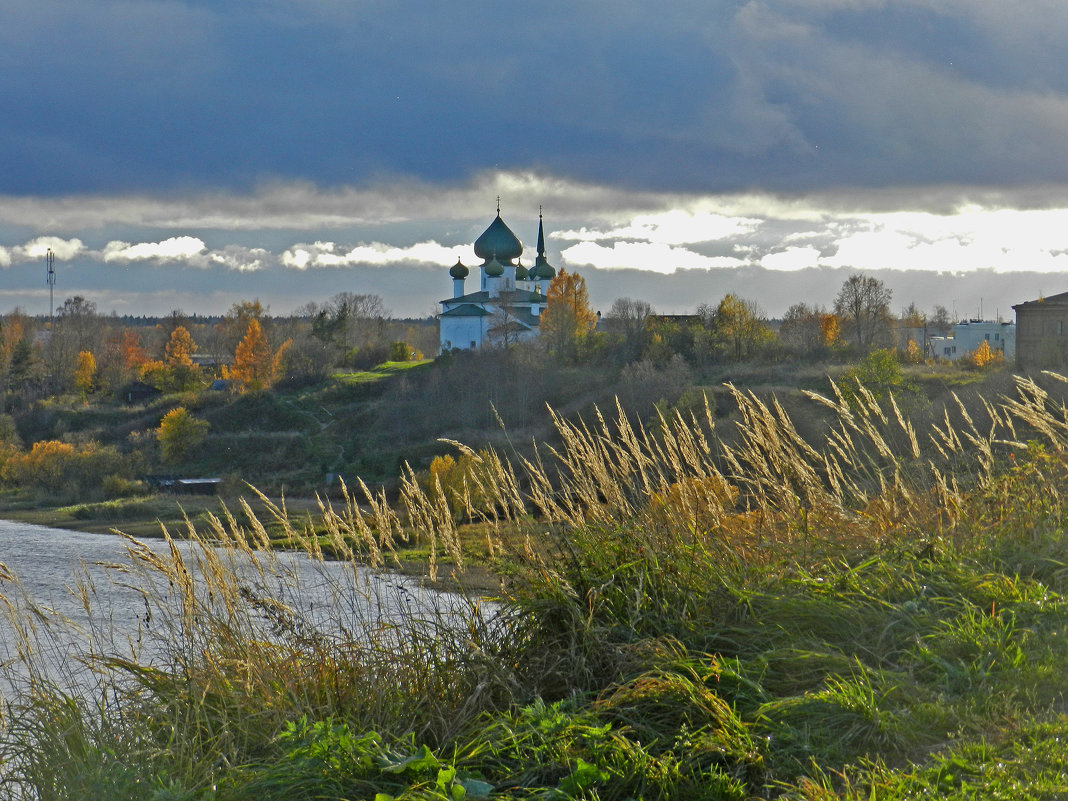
[[381, 371], [683, 617]]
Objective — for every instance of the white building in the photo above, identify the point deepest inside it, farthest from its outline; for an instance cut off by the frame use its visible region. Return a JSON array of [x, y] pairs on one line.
[[968, 335], [510, 299]]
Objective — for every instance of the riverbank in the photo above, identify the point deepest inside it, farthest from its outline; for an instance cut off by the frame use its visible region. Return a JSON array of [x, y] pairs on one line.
[[146, 518]]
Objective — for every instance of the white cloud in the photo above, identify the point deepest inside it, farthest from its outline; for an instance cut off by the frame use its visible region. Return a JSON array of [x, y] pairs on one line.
[[328, 254], [655, 257], [673, 227], [241, 259], [63, 249], [791, 259], [177, 248], [939, 229], [1004, 240]]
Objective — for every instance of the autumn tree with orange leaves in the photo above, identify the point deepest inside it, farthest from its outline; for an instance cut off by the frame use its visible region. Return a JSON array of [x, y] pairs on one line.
[[568, 318], [255, 366], [133, 352]]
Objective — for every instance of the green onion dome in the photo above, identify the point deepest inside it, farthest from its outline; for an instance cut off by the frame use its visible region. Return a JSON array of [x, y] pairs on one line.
[[458, 270], [498, 242], [543, 270], [494, 268], [521, 272]]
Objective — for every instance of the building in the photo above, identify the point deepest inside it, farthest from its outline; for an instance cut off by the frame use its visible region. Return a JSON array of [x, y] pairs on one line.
[[968, 335], [1042, 333], [138, 392], [510, 298]]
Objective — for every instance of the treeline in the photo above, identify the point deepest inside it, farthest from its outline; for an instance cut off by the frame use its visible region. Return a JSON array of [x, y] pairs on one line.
[[737, 330], [276, 423], [83, 351]]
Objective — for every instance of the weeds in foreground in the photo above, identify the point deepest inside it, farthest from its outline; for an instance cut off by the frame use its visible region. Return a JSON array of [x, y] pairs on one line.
[[876, 615]]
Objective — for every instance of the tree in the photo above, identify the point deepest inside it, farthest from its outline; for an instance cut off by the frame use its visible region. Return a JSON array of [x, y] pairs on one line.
[[350, 320], [77, 328], [940, 322], [626, 320], [78, 320], [177, 372], [234, 324], [863, 305], [180, 348], [504, 329], [739, 328], [12, 331], [568, 318], [801, 331], [133, 353], [878, 373], [23, 361], [401, 351], [179, 433], [254, 362], [912, 317], [85, 371], [667, 336], [984, 356], [831, 327]]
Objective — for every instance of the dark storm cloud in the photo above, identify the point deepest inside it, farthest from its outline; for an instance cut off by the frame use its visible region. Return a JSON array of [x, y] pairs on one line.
[[104, 95]]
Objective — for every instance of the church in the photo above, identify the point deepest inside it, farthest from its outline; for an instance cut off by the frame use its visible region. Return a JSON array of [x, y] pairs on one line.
[[510, 298]]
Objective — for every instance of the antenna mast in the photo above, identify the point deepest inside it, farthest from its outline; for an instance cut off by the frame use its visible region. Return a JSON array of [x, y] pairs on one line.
[[50, 263]]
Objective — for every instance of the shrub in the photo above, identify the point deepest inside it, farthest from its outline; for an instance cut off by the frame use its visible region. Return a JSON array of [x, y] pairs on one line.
[[179, 433], [463, 481], [367, 357], [879, 372], [115, 486], [400, 352], [984, 357], [60, 467]]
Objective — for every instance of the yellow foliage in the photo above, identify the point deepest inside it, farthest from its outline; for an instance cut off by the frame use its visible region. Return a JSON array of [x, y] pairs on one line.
[[179, 433], [60, 467], [151, 372], [44, 465], [85, 371], [984, 356], [913, 354], [831, 329], [279, 361], [180, 348], [567, 318], [461, 480]]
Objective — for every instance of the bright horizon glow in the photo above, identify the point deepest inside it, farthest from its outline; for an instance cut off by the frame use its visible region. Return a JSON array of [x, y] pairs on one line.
[[111, 251]]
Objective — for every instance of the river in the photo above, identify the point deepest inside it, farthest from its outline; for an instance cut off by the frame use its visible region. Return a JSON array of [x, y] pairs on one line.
[[79, 593]]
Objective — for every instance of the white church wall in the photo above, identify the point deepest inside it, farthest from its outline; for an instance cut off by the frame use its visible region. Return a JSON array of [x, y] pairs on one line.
[[462, 332]]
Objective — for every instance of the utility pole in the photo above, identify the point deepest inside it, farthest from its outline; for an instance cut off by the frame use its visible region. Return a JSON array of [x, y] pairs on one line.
[[50, 263]]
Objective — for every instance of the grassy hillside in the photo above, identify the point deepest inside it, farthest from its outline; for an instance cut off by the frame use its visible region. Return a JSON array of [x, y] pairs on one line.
[[874, 611], [368, 425]]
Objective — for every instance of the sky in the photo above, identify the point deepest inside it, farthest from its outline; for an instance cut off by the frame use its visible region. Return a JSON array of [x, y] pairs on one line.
[[190, 155]]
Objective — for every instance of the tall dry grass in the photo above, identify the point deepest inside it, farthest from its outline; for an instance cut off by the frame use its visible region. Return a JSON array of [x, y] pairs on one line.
[[874, 473], [627, 550]]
